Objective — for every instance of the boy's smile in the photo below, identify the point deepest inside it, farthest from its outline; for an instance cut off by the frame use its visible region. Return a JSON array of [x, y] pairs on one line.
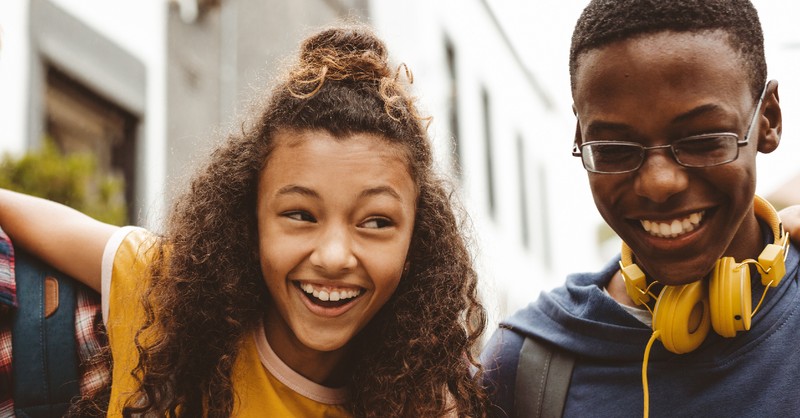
[[674, 228], [656, 89]]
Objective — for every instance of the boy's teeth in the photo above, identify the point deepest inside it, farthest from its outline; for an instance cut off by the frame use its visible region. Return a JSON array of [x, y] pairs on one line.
[[674, 228], [327, 294]]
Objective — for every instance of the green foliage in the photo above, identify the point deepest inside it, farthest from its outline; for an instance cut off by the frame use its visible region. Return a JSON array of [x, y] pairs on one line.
[[73, 180]]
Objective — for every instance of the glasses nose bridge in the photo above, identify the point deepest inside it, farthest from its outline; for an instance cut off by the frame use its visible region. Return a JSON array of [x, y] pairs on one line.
[[646, 150]]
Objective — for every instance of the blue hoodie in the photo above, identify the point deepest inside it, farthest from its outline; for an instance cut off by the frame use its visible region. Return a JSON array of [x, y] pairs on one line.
[[751, 375]]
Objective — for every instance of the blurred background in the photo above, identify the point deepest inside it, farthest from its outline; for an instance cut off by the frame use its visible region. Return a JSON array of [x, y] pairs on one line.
[[108, 105]]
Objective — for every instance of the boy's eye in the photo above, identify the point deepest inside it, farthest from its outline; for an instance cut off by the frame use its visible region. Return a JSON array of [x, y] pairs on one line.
[[377, 223], [615, 152], [300, 215]]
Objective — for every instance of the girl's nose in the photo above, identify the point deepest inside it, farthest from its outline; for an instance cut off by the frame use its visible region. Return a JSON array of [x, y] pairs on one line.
[[333, 253]]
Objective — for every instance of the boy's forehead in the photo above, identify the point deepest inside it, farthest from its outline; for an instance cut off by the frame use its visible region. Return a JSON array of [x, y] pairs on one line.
[[652, 82], [654, 40], [676, 58]]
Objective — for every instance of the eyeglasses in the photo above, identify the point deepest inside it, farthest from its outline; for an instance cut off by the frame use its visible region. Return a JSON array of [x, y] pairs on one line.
[[707, 150]]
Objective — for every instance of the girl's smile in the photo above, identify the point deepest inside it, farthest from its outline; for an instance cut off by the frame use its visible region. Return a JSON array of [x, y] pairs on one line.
[[328, 300]]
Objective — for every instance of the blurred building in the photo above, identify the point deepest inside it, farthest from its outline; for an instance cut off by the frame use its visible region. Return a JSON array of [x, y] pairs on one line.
[[150, 86]]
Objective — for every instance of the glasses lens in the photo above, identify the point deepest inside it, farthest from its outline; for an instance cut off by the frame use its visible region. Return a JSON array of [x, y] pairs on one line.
[[611, 157], [706, 150]]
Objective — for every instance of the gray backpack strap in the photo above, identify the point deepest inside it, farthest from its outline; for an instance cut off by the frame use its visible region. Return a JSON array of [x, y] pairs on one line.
[[543, 375]]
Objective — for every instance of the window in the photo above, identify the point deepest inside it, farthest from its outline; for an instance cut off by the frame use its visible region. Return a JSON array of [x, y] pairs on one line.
[[487, 152], [524, 224], [79, 120], [452, 106]]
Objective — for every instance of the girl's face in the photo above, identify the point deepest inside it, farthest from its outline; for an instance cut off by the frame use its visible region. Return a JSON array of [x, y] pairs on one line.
[[335, 218]]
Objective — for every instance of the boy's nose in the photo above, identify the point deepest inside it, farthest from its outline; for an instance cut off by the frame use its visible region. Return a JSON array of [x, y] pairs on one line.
[[660, 177], [333, 253]]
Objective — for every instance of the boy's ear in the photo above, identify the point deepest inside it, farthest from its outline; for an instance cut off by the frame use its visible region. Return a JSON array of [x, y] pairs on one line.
[[770, 137], [578, 136], [577, 126]]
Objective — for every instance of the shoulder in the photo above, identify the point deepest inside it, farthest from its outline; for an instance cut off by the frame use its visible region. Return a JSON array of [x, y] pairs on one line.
[[502, 349], [129, 250], [499, 359], [130, 245], [126, 257]]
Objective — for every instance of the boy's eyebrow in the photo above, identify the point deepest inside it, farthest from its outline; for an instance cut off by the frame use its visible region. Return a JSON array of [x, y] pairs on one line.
[[596, 126], [697, 111], [605, 126]]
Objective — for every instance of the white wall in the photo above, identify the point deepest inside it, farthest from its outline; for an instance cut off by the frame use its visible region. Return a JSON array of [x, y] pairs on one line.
[[511, 274], [415, 31], [13, 75], [541, 33], [136, 26], [782, 44]]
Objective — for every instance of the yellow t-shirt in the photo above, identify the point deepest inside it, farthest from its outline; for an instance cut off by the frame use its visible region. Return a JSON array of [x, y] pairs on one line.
[[264, 386]]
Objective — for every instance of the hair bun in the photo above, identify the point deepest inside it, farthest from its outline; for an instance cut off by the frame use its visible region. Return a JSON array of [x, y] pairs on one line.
[[350, 53], [344, 40]]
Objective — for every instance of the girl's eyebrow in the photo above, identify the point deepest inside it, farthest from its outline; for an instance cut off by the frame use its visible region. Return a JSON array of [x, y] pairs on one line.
[[295, 189], [380, 190], [369, 192]]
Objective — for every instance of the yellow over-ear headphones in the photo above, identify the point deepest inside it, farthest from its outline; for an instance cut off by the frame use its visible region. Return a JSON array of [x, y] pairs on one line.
[[683, 314]]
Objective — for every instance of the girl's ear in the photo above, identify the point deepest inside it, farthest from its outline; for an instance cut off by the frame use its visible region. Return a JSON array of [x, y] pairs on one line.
[[771, 120]]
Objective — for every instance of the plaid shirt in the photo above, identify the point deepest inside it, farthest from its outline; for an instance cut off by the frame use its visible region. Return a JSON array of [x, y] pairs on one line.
[[89, 333]]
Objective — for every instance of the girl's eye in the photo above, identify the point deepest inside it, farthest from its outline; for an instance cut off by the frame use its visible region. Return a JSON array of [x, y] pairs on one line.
[[377, 223], [300, 215]]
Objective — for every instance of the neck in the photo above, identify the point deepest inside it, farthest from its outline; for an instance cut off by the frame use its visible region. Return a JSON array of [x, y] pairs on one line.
[[748, 241], [327, 368]]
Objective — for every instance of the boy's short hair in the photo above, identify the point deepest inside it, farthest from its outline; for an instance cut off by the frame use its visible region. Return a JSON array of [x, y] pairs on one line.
[[605, 21]]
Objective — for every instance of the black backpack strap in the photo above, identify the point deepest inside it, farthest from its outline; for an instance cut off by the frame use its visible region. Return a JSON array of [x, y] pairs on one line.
[[543, 375], [44, 356]]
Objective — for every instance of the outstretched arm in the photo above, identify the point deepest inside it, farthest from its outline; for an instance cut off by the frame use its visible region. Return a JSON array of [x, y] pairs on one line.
[[61, 236]]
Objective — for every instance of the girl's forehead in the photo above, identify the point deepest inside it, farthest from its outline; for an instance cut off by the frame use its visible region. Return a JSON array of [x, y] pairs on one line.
[[312, 140], [331, 149], [317, 160]]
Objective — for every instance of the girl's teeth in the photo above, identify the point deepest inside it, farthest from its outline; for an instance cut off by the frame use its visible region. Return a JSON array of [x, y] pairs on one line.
[[328, 294]]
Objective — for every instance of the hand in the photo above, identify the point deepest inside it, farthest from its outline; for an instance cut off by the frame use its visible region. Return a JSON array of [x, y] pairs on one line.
[[790, 216]]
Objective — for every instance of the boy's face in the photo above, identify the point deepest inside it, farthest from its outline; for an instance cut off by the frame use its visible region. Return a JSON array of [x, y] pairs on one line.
[[654, 90]]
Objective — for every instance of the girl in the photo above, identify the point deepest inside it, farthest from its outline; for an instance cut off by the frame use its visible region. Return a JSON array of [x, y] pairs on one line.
[[314, 267]]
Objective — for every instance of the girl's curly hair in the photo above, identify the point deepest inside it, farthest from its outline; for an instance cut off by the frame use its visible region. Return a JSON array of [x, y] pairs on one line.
[[208, 292]]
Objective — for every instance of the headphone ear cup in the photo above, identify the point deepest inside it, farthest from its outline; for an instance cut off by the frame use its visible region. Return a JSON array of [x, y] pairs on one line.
[[729, 297], [681, 316]]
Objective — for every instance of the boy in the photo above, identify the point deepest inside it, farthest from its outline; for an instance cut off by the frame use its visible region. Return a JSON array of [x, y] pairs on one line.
[[672, 106]]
